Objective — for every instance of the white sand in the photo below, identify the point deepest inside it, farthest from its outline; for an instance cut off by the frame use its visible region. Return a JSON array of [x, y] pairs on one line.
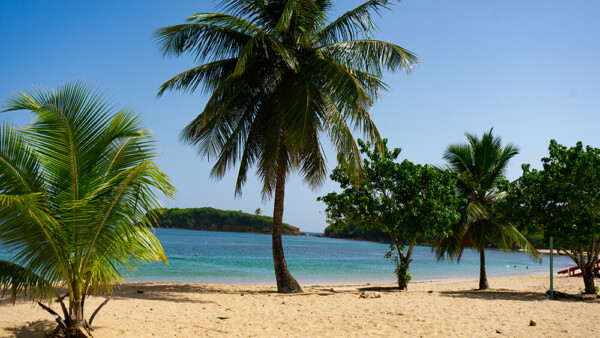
[[430, 309]]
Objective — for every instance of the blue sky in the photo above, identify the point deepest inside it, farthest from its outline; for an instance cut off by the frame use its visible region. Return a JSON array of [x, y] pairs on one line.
[[528, 68]]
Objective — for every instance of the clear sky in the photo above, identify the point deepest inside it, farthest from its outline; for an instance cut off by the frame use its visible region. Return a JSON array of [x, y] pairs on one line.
[[528, 68]]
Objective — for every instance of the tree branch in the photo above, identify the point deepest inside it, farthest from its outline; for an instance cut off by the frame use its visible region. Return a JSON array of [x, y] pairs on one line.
[[98, 309], [57, 317]]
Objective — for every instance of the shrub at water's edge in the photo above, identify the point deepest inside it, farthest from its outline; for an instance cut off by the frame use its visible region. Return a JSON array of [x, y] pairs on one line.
[[211, 219], [407, 200]]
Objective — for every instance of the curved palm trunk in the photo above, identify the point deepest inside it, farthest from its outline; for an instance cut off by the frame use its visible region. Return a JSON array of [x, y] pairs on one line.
[[285, 281], [483, 282]]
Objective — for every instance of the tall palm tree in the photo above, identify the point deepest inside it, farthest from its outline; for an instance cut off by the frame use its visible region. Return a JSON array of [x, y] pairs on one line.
[[279, 75], [78, 187], [479, 166]]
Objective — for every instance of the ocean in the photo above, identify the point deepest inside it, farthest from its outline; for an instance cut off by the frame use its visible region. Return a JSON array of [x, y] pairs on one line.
[[241, 258]]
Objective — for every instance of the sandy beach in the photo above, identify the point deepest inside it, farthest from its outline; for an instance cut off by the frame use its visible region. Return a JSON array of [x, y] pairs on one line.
[[427, 309]]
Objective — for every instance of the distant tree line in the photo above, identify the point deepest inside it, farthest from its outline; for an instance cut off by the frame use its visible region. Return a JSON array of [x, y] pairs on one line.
[[212, 219]]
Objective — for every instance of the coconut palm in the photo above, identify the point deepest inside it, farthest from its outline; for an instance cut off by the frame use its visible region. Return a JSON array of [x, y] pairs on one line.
[[78, 187], [479, 166], [279, 75]]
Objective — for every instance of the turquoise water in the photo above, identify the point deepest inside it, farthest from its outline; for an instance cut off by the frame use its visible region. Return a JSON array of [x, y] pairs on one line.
[[239, 258]]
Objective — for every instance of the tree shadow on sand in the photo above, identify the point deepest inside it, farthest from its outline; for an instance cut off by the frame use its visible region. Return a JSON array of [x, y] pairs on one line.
[[504, 294], [34, 329], [496, 294], [178, 292], [381, 289]]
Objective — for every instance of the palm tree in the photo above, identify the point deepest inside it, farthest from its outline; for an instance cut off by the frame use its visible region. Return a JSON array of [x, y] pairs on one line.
[[478, 167], [78, 187], [279, 75]]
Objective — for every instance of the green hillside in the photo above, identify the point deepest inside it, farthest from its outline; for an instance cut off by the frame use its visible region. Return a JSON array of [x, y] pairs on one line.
[[212, 219]]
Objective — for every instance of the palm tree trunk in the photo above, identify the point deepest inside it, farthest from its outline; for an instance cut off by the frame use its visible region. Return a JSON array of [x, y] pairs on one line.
[[76, 324], [285, 281], [483, 282]]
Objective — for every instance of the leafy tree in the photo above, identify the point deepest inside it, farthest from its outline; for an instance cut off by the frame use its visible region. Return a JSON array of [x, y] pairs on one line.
[[563, 200], [279, 76], [406, 200], [75, 189], [257, 212], [478, 167]]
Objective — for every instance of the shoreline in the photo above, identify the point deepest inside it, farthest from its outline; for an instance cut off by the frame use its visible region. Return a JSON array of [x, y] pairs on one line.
[[439, 308], [271, 281], [272, 284]]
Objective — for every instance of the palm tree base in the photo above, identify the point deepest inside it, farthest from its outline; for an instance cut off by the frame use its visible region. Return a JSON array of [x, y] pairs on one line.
[[286, 283]]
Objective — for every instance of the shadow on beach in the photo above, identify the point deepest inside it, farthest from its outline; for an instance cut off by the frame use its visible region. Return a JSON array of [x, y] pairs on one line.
[[504, 294], [177, 292], [496, 294], [33, 329], [381, 289]]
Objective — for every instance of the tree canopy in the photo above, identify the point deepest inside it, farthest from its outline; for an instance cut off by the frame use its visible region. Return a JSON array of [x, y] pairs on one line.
[[563, 201], [409, 201]]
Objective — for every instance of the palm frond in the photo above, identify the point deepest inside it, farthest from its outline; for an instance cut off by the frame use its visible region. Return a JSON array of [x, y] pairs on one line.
[[354, 23], [209, 75], [16, 280], [305, 15], [36, 239], [19, 167], [372, 56], [206, 42]]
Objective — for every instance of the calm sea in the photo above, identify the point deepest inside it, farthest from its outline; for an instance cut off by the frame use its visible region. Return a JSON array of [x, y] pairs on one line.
[[240, 258]]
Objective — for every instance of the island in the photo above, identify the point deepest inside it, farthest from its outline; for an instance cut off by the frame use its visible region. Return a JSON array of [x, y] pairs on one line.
[[211, 219]]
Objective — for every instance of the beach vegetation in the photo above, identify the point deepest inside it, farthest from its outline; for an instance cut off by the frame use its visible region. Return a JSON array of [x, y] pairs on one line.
[[78, 187], [479, 167], [279, 75], [563, 201], [406, 200]]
